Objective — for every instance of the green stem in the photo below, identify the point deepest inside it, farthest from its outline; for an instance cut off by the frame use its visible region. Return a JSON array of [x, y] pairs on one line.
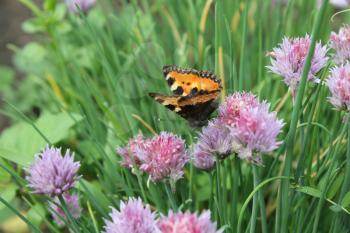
[[243, 46], [328, 178], [139, 180], [255, 202], [261, 202], [346, 183], [71, 220], [31, 225], [284, 198], [218, 188], [235, 180], [251, 195], [171, 197]]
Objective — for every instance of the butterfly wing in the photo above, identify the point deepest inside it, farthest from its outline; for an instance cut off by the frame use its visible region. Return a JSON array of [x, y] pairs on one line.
[[196, 109], [187, 82]]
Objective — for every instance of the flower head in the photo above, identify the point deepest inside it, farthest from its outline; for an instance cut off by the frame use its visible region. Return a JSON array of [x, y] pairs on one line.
[[128, 153], [339, 86], [51, 173], [187, 222], [133, 217], [289, 58], [234, 104], [83, 5], [343, 4], [256, 132], [214, 139], [72, 202], [341, 44], [164, 156]]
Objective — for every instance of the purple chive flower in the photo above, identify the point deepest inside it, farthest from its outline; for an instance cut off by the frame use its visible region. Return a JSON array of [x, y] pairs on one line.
[[343, 4], [72, 202], [51, 173], [83, 5], [128, 153], [133, 217], [234, 104], [341, 44], [339, 86], [289, 58], [256, 132], [164, 156], [215, 139], [187, 222]]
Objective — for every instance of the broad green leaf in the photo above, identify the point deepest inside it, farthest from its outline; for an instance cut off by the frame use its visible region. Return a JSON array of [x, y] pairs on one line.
[[31, 58], [36, 214], [8, 193], [310, 191], [33, 25], [21, 142], [6, 77], [346, 200]]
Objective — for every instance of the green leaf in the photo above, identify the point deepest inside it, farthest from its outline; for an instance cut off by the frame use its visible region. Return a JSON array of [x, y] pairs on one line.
[[49, 5], [31, 58], [346, 200], [310, 191], [335, 186], [36, 214], [94, 188], [33, 25], [6, 77], [8, 193], [336, 208], [21, 142]]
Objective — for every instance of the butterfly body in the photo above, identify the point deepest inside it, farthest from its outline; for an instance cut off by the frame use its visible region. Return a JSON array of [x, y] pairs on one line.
[[195, 94]]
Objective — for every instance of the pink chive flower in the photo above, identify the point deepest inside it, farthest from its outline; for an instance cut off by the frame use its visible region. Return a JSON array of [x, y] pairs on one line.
[[234, 104], [187, 223], [339, 86], [128, 153], [51, 173], [215, 139], [341, 44], [83, 5], [289, 58], [133, 217], [164, 156], [256, 132], [72, 202]]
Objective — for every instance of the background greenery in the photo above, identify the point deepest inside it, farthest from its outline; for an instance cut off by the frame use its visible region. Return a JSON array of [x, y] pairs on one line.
[[86, 88]]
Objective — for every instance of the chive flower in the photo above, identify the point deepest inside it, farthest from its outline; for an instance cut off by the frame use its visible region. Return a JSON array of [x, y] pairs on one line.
[[289, 57], [133, 217], [83, 5], [340, 42], [339, 86], [244, 126], [188, 222], [129, 153], [51, 173], [256, 132], [72, 202], [215, 139], [230, 109], [163, 157]]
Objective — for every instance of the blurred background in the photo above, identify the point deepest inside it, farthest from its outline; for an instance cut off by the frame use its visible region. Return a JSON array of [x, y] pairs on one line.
[[12, 15]]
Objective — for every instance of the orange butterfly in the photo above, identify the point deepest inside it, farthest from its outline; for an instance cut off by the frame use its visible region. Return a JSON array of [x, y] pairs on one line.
[[195, 94]]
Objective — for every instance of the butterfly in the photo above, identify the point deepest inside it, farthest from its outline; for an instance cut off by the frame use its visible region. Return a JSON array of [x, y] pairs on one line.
[[195, 94]]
